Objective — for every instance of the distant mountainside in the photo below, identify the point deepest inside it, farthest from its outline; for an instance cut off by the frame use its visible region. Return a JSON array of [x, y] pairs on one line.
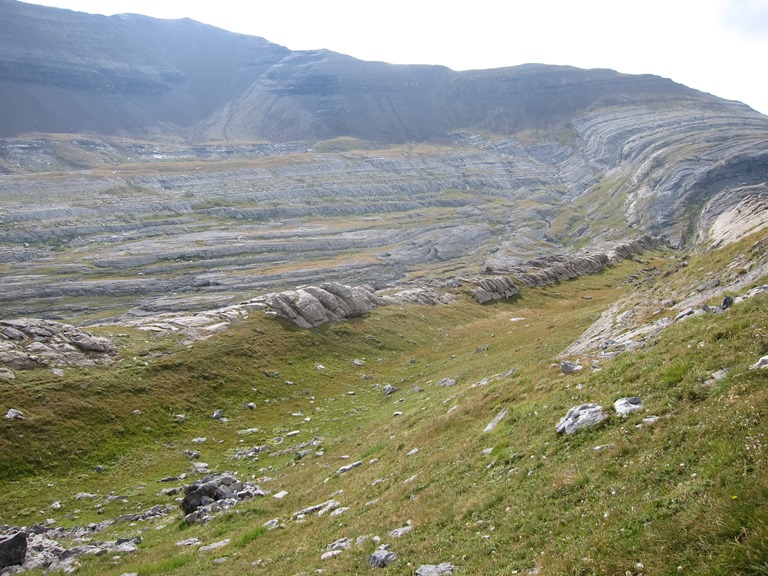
[[151, 165], [129, 75]]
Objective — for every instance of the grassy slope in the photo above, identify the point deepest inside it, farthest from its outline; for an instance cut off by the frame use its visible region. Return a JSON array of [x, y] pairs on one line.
[[685, 495]]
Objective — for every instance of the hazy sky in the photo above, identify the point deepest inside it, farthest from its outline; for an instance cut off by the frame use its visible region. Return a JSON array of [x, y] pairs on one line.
[[718, 46]]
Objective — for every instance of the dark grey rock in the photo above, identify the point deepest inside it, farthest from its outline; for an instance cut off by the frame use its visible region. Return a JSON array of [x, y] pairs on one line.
[[709, 284], [382, 557], [348, 467], [13, 550], [389, 389], [568, 367]]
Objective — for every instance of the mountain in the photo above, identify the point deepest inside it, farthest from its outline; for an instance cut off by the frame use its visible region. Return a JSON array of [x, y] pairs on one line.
[[157, 164], [289, 312], [129, 75]]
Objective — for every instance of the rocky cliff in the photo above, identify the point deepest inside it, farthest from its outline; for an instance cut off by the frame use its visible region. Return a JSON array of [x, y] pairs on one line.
[[218, 167]]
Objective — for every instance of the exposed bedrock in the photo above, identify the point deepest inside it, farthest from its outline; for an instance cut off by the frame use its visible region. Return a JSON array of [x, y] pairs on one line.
[[29, 343]]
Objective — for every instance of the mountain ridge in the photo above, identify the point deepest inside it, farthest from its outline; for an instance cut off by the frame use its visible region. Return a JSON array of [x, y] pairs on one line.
[[189, 80]]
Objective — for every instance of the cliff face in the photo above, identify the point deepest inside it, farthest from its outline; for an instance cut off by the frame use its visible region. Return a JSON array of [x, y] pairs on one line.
[[154, 165]]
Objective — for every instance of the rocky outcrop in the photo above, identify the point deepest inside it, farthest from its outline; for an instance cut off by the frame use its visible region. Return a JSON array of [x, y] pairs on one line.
[[311, 306], [29, 343], [213, 493], [549, 270], [495, 288], [617, 330], [40, 547]]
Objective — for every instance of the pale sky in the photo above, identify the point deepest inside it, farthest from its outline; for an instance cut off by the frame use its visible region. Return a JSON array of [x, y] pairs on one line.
[[717, 46]]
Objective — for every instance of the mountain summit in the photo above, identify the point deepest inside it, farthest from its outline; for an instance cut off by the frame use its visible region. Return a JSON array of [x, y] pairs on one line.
[[129, 75]]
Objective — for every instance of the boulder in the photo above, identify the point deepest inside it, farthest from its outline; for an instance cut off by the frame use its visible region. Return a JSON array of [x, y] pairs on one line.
[[624, 406], [382, 557], [6, 374], [582, 416], [13, 550]]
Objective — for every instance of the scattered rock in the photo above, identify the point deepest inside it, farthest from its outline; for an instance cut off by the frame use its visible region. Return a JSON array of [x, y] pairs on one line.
[[582, 416], [400, 532], [568, 367], [330, 554], [624, 406], [272, 524], [7, 374], [85, 496], [445, 382], [348, 467], [389, 390], [14, 414], [219, 415], [714, 283], [495, 422], [382, 557], [280, 495], [444, 569], [321, 509], [43, 551], [215, 545], [341, 544], [759, 365]]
